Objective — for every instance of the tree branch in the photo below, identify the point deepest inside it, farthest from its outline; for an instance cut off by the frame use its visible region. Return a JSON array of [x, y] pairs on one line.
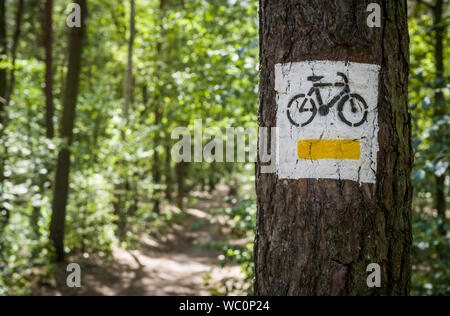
[[429, 5]]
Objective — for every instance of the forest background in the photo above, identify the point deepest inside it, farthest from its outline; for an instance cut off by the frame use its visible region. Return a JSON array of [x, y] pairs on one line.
[[147, 67]]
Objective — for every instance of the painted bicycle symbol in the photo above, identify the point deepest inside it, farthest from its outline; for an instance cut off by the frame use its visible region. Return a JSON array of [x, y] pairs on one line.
[[352, 108]]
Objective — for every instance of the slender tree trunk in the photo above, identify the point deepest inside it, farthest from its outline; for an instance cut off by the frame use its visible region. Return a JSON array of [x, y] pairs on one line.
[[439, 100], [317, 236], [441, 204], [49, 109], [61, 184], [168, 169], [3, 87], [129, 74], [212, 181], [3, 52], [48, 45], [15, 43], [158, 118], [124, 187], [157, 165], [9, 88], [37, 179], [144, 90], [180, 170]]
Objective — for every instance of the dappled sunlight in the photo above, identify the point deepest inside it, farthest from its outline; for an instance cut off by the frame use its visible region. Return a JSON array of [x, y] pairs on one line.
[[176, 263]]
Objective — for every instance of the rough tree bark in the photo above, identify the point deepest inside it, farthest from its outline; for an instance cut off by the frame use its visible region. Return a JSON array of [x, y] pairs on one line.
[[317, 237], [61, 184]]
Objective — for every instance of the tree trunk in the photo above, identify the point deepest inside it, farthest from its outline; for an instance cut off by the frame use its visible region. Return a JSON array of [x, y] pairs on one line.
[[317, 236], [3, 50], [3, 87], [440, 112], [158, 118], [441, 204], [15, 44], [48, 45], [129, 74], [61, 185], [9, 88], [212, 181], [168, 169], [180, 169], [156, 168], [37, 179], [49, 109], [121, 208]]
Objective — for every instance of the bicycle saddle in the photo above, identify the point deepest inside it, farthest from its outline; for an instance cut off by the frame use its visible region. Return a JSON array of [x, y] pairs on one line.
[[315, 78]]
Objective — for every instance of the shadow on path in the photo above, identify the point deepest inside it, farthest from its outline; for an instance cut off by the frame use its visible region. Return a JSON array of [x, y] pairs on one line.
[[172, 263]]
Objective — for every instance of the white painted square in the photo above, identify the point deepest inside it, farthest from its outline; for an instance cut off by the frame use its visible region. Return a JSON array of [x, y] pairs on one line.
[[291, 80]]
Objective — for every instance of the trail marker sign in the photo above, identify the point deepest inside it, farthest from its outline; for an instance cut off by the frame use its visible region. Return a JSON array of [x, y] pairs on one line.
[[328, 120]]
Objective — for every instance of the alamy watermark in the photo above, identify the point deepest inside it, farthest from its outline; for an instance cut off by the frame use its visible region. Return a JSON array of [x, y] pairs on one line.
[[374, 18], [374, 278], [74, 18], [74, 278], [234, 144]]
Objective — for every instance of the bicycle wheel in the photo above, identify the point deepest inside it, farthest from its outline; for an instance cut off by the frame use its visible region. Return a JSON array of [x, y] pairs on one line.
[[301, 112], [353, 110]]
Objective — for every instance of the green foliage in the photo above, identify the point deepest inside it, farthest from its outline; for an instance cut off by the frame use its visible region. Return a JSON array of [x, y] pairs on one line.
[[197, 61], [90, 216], [24, 252], [193, 61], [430, 257], [431, 141], [240, 224], [431, 119]]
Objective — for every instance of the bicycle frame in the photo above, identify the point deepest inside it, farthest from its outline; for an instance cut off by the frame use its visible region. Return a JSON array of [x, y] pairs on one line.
[[325, 108]]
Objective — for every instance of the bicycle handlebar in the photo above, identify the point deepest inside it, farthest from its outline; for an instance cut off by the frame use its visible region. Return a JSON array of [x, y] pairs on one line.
[[318, 78]]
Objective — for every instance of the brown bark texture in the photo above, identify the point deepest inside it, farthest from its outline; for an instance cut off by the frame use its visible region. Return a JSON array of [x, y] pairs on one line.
[[317, 236]]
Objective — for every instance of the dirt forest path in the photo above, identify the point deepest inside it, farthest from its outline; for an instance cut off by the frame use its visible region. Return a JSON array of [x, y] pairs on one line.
[[173, 263]]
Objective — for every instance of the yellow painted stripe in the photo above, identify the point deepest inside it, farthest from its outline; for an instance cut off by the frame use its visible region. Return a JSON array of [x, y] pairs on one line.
[[315, 149]]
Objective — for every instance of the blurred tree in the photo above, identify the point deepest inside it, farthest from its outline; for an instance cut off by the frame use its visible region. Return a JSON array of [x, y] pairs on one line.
[[440, 105], [123, 188], [48, 46], [9, 88], [61, 186], [430, 253], [3, 87], [3, 51], [157, 109]]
